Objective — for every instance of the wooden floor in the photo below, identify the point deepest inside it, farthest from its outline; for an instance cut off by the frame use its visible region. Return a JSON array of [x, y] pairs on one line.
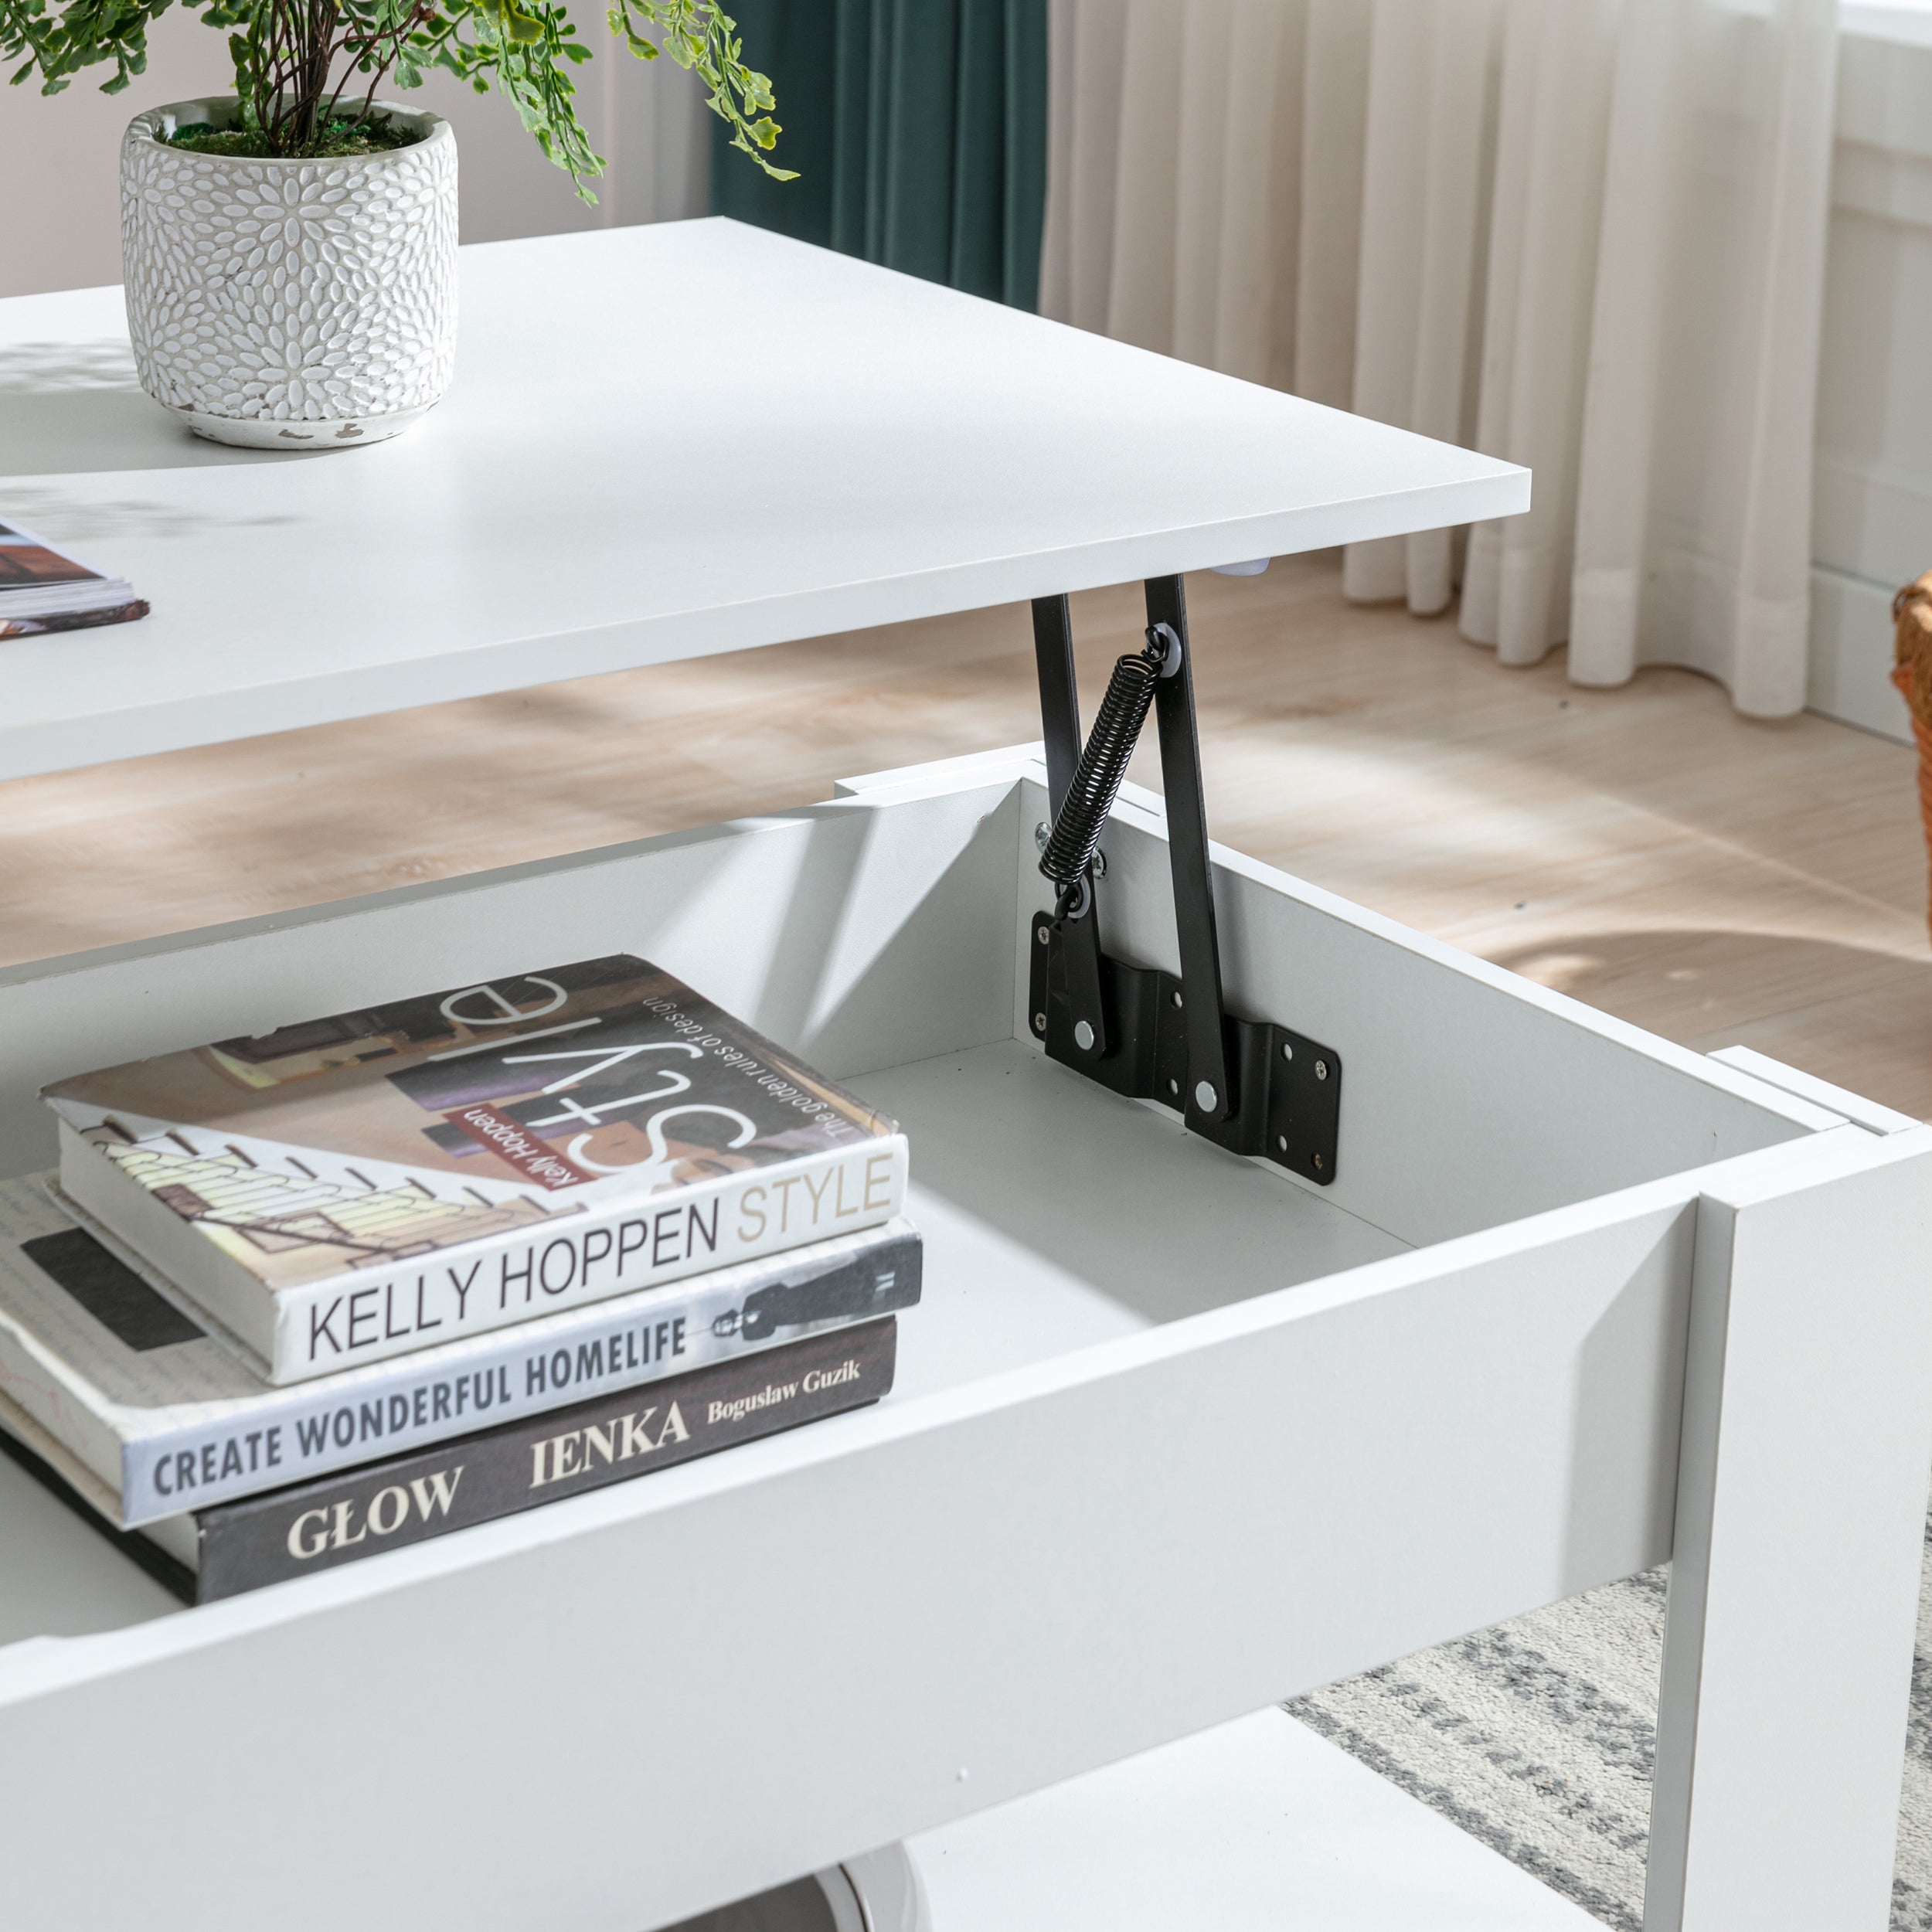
[[1645, 850]]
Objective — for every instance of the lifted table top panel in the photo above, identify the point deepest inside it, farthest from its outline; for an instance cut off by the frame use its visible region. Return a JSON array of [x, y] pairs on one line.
[[662, 442]]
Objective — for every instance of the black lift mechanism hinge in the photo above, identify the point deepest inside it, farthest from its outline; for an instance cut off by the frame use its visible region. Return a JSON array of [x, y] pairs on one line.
[[1248, 1086]]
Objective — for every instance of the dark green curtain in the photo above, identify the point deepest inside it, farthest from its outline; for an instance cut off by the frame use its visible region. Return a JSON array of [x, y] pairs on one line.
[[919, 130]]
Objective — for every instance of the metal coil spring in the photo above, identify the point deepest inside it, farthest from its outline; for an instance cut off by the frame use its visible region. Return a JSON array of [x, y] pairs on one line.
[[1077, 831]]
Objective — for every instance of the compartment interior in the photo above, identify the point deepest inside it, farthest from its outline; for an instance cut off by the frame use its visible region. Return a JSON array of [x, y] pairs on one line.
[[884, 935]]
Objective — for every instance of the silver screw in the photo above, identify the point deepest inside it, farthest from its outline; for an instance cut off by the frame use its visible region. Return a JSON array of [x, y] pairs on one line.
[[1083, 1037], [1322, 1069], [1174, 1086], [1287, 1051], [1318, 1163], [1204, 1097], [1177, 999], [1039, 1023], [1044, 934], [1100, 863], [1281, 1142]]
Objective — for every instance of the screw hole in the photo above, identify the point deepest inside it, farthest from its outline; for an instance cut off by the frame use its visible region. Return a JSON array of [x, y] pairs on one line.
[[1174, 1086], [1177, 999], [1281, 1142], [1287, 1051]]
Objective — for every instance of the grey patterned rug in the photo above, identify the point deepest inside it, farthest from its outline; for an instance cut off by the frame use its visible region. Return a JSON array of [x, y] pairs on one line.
[[1537, 1738]]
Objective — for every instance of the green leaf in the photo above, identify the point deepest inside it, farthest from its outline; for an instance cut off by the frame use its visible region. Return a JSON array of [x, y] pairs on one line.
[[294, 60]]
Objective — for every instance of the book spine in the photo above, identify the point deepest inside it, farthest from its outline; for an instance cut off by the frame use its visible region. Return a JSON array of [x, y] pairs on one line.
[[408, 1499], [376, 1313], [292, 1435], [25, 626]]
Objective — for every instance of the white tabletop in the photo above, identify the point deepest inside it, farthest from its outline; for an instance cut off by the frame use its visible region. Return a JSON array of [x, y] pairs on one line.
[[662, 442]]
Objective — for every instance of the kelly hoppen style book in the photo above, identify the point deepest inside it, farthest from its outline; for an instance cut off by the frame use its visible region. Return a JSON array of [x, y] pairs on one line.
[[377, 1182], [162, 1417]]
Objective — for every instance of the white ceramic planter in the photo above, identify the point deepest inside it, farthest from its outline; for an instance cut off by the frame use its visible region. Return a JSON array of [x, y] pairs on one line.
[[290, 304]]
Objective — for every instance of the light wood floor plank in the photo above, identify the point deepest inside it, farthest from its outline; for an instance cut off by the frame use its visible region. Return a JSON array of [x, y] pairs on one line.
[[1711, 878]]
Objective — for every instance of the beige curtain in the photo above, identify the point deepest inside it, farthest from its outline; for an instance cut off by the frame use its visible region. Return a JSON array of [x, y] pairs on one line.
[[1588, 236]]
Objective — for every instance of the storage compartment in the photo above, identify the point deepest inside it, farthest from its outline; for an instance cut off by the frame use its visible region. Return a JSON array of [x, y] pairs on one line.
[[1165, 1414]]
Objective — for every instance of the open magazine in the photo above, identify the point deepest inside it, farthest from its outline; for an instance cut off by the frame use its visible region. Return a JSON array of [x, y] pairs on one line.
[[43, 588]]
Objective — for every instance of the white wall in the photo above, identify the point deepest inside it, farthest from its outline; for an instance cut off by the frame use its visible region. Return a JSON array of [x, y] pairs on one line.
[[59, 217], [1872, 522]]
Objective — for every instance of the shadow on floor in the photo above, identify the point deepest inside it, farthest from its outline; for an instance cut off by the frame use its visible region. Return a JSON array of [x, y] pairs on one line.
[[1852, 1014]]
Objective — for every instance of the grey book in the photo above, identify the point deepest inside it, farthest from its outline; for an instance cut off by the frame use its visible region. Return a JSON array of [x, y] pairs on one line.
[[101, 1356]]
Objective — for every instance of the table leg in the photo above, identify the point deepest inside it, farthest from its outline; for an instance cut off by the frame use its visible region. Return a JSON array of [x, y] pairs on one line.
[[1800, 1513]]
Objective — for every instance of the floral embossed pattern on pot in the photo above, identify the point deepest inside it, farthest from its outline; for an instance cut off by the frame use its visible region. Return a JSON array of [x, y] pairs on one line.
[[290, 304]]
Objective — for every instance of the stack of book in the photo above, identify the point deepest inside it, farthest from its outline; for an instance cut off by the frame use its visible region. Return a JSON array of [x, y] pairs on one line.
[[43, 588], [295, 1299]]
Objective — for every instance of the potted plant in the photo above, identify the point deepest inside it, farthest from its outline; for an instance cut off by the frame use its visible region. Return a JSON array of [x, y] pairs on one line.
[[290, 249]]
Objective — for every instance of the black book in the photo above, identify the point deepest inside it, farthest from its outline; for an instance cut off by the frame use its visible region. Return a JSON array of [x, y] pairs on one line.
[[518, 1465]]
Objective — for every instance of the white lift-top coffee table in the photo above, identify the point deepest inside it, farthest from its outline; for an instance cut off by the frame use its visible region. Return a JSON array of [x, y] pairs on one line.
[[1518, 1299]]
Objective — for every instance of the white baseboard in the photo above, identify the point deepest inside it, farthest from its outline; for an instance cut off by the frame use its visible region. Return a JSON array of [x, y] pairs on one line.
[[1851, 655]]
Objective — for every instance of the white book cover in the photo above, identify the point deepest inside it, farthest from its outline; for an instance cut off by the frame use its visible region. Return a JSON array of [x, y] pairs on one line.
[[345, 1189], [121, 1372]]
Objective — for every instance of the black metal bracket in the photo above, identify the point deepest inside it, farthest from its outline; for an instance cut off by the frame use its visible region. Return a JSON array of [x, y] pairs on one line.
[[1250, 1087]]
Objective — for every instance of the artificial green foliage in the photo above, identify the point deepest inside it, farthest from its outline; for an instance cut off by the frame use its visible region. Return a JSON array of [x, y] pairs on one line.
[[303, 66]]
